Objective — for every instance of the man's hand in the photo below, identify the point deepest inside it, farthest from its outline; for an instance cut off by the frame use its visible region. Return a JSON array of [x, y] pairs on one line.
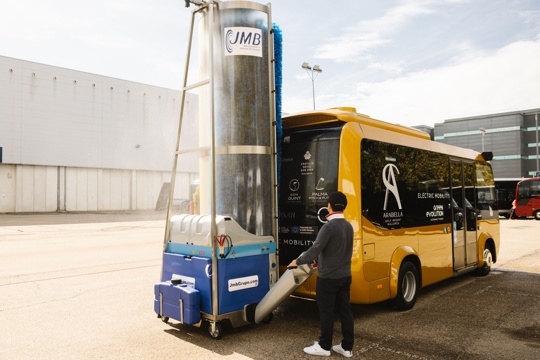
[[292, 265]]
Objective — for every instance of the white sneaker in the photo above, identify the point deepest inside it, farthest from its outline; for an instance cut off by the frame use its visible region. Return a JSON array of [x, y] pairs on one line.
[[316, 349], [342, 351]]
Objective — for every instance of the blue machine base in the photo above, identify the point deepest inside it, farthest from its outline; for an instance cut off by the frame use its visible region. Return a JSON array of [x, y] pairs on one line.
[[241, 281]]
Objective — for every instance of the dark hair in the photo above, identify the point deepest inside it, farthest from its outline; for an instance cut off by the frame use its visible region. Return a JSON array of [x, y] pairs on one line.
[[338, 201]]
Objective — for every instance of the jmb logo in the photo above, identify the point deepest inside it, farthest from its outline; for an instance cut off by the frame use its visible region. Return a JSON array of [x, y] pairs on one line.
[[244, 38], [243, 41]]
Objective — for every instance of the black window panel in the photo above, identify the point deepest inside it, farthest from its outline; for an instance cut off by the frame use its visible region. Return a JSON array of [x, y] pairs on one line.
[[309, 172], [486, 194], [403, 187], [528, 190]]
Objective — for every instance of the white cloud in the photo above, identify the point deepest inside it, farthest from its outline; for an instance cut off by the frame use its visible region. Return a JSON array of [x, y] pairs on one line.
[[532, 18], [388, 67], [508, 80], [17, 13], [359, 39]]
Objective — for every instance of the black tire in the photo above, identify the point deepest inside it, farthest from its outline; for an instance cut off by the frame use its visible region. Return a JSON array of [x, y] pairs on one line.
[[217, 332], [537, 214], [268, 319], [165, 319], [488, 261], [408, 286]]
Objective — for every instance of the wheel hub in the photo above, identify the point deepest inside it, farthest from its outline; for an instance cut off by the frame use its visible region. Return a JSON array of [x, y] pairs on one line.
[[488, 258]]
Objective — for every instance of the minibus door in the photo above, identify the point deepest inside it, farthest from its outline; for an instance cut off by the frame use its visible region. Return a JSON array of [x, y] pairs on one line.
[[464, 214], [458, 215], [472, 214]]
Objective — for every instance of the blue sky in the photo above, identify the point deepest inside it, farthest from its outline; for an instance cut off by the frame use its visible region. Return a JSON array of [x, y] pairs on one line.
[[408, 62]]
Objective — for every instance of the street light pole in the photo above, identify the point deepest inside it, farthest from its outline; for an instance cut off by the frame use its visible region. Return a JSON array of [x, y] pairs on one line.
[[483, 130], [537, 158], [317, 70]]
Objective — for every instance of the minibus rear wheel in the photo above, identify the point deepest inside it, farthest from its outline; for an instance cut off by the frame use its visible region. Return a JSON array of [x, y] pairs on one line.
[[408, 286]]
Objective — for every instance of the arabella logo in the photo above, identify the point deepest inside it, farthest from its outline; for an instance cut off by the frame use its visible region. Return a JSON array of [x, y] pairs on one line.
[[389, 180], [243, 41]]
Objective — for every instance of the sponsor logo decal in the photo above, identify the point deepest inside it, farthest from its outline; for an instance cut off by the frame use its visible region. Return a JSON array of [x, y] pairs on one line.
[[391, 218], [243, 41], [389, 180], [296, 242], [189, 281], [243, 283]]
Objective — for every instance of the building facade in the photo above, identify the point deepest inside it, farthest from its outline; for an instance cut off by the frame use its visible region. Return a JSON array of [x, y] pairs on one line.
[[512, 137], [74, 141]]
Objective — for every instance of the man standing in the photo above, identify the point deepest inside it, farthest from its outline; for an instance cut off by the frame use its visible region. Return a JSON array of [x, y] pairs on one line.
[[333, 248]]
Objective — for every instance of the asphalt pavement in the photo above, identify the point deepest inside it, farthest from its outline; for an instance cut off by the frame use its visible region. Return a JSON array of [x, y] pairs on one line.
[[80, 286]]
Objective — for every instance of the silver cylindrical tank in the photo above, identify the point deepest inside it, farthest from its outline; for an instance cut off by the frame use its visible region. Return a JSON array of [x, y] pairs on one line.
[[242, 123]]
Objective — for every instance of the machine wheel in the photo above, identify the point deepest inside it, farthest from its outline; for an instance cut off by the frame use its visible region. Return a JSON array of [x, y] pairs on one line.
[[268, 319], [408, 286], [215, 330], [537, 214], [488, 261], [165, 319]]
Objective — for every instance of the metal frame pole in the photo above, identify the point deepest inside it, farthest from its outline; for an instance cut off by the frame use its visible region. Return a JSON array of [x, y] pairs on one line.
[[273, 133], [213, 231]]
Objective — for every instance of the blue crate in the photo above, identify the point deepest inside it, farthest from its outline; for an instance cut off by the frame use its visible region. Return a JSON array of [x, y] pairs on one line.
[[180, 302]]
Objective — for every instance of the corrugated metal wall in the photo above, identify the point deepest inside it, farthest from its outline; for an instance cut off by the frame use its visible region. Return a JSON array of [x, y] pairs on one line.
[[74, 141], [32, 188]]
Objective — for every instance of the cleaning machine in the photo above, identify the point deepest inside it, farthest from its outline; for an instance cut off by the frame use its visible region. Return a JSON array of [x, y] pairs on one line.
[[220, 252]]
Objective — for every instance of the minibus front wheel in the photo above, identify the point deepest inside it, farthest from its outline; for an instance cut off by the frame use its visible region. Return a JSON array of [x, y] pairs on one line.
[[488, 261], [408, 286]]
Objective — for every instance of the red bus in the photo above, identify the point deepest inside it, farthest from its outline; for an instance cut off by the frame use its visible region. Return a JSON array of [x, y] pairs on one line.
[[527, 201], [505, 189]]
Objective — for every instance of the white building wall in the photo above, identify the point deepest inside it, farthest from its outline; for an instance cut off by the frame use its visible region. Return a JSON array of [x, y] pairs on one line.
[[34, 188], [74, 141], [55, 116], [7, 187], [29, 188]]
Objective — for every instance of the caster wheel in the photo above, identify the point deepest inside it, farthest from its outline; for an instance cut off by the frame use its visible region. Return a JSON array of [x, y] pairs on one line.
[[215, 330], [268, 319]]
